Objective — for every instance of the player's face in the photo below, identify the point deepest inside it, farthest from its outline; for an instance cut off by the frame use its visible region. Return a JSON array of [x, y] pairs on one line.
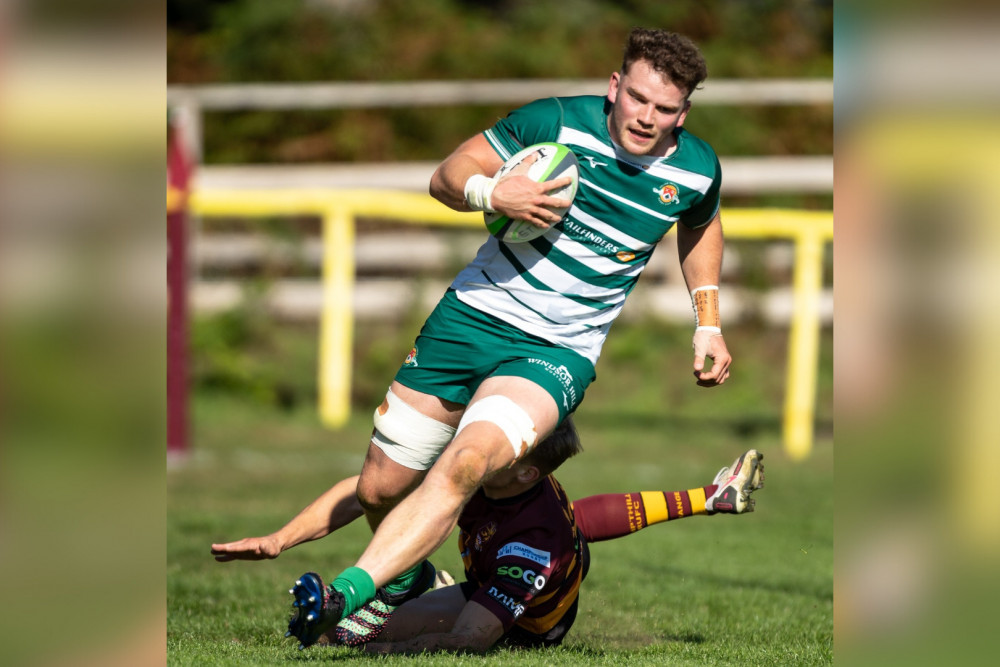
[[646, 107]]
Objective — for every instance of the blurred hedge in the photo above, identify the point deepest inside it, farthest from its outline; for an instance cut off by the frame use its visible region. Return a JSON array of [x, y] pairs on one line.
[[211, 41]]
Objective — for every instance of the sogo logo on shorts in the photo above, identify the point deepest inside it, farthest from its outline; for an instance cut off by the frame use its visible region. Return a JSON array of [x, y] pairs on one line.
[[527, 576]]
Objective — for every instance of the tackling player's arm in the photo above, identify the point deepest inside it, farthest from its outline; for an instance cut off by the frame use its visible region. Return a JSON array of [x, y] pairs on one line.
[[700, 252], [336, 508], [475, 631], [464, 182]]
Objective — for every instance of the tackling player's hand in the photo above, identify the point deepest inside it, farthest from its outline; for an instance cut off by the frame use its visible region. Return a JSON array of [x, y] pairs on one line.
[[711, 345], [249, 548], [520, 198]]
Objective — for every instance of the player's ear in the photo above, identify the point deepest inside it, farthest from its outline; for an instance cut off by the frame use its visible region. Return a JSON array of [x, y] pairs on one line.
[[616, 78], [528, 474], [684, 113]]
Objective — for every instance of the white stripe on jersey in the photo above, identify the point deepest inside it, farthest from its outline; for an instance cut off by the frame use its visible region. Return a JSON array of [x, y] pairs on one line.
[[556, 278], [689, 179], [586, 340], [591, 259], [497, 146], [607, 231], [628, 202]]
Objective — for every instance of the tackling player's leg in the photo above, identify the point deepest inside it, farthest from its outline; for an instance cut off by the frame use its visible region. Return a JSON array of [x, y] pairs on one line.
[[612, 515]]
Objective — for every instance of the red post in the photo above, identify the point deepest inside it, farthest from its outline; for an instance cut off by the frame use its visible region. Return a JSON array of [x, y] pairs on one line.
[[178, 179]]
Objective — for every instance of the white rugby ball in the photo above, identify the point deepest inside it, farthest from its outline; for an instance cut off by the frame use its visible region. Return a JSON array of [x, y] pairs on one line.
[[553, 161]]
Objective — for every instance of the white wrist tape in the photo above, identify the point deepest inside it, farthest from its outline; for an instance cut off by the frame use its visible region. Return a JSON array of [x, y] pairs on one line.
[[478, 190], [705, 301]]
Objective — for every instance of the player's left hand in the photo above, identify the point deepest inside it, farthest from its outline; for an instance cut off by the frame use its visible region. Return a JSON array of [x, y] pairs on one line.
[[249, 548], [710, 345]]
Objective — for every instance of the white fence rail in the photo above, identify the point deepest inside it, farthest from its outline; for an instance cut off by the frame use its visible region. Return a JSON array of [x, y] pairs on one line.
[[194, 101]]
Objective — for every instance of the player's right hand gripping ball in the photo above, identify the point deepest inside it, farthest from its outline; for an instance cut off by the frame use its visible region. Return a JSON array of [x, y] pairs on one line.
[[553, 161]]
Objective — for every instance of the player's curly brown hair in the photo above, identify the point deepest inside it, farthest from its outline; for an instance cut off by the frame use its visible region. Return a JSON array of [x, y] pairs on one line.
[[671, 54]]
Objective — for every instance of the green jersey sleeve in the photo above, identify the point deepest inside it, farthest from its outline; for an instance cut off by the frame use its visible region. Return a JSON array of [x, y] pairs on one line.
[[533, 123], [702, 210]]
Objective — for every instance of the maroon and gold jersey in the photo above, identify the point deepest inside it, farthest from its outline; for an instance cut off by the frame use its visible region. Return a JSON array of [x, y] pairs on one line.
[[524, 558]]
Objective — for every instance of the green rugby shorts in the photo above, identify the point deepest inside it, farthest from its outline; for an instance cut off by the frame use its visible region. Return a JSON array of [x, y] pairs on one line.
[[459, 347]]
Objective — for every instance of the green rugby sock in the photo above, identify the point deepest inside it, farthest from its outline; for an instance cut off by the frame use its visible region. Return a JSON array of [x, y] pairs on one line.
[[405, 581], [357, 587]]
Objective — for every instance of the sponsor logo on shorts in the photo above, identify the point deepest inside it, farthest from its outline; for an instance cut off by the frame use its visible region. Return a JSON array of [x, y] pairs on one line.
[[508, 603], [668, 193], [565, 378], [529, 577], [411, 358], [522, 550]]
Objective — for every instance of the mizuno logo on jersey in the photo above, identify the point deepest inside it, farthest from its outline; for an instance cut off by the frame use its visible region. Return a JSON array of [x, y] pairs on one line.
[[594, 163]]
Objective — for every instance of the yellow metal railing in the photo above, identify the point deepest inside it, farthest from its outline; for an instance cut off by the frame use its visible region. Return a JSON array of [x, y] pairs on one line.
[[809, 230]]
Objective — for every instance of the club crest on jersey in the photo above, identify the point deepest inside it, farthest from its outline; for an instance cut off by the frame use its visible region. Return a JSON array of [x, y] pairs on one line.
[[411, 358], [485, 533], [667, 193]]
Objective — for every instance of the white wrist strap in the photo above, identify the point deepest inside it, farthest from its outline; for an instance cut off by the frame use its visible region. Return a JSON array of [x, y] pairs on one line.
[[478, 190]]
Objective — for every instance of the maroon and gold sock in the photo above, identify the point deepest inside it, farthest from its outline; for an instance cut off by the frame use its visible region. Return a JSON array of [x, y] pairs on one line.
[[611, 515]]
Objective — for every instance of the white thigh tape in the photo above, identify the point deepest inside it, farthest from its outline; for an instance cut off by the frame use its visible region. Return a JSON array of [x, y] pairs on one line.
[[510, 417], [407, 436]]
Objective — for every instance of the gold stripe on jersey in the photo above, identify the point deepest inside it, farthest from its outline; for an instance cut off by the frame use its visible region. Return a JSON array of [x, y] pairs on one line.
[[545, 623], [542, 599]]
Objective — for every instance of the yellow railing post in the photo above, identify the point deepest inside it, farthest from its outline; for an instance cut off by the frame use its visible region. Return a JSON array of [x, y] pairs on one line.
[[803, 344], [336, 337]]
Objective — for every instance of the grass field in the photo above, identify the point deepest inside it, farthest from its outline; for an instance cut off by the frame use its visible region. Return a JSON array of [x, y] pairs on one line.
[[741, 590]]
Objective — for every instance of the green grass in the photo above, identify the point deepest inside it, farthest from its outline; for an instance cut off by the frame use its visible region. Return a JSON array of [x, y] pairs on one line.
[[748, 590]]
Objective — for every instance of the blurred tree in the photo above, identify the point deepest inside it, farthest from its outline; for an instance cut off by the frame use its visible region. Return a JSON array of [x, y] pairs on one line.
[[400, 40]]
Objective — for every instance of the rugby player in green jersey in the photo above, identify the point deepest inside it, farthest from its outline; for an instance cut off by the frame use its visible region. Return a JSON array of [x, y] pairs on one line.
[[512, 345]]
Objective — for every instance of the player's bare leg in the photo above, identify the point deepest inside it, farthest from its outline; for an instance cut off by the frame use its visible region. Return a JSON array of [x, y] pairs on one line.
[[495, 431], [383, 484], [434, 611], [418, 420], [425, 519]]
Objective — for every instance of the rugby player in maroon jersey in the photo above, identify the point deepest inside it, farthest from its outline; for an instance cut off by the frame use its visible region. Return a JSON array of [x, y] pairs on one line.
[[523, 545]]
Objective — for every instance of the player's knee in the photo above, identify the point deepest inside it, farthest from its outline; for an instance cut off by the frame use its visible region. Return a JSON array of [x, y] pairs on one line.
[[465, 469], [514, 422], [374, 497], [384, 483]]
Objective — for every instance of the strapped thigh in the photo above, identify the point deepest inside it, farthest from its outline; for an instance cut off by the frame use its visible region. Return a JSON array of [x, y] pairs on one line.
[[407, 436]]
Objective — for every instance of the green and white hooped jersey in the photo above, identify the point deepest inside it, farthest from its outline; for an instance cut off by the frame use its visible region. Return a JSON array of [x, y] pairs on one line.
[[570, 284]]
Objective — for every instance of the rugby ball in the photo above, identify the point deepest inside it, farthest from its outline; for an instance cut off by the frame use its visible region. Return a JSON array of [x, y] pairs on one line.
[[552, 161]]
